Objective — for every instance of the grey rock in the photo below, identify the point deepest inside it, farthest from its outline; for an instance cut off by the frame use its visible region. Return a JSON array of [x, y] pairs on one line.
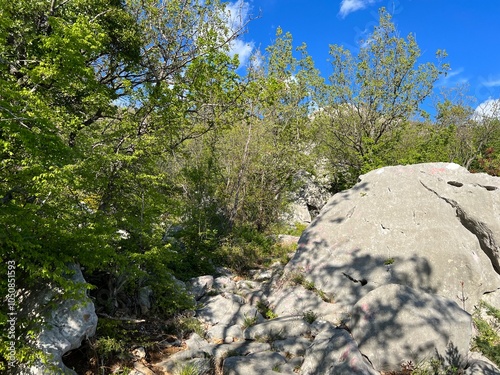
[[492, 298], [196, 342], [480, 365], [139, 353], [249, 285], [140, 369], [319, 325], [482, 368], [252, 291], [226, 309], [299, 213], [254, 296], [225, 333], [334, 352], [197, 348], [395, 324], [235, 298], [411, 225], [224, 284], [292, 346], [144, 295], [263, 275], [240, 349], [199, 286], [254, 364], [312, 195], [278, 329], [68, 323]]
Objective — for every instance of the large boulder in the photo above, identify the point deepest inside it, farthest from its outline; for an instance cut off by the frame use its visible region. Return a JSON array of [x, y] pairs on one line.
[[432, 227], [67, 322], [404, 257]]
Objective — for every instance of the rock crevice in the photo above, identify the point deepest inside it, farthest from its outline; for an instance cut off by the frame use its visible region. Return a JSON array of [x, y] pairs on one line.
[[477, 228]]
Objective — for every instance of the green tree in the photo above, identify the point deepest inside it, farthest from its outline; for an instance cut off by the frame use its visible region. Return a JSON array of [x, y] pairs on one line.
[[487, 138], [269, 146], [470, 132], [238, 180], [97, 96], [371, 96]]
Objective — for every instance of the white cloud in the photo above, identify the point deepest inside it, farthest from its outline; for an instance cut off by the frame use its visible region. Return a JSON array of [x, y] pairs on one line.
[[452, 78], [349, 6], [488, 109], [454, 73], [242, 49], [237, 16], [491, 83]]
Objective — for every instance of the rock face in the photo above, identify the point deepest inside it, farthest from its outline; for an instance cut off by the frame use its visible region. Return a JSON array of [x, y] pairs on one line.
[[67, 324], [387, 274], [311, 197], [432, 227], [405, 252]]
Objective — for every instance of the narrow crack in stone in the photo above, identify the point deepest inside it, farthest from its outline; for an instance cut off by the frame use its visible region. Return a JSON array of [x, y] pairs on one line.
[[486, 241]]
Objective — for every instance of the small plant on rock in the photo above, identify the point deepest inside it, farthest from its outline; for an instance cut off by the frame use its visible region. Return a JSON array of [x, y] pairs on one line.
[[298, 278], [266, 311], [450, 363], [182, 326], [389, 261], [310, 316], [270, 314], [276, 368], [270, 337], [324, 296], [188, 369], [249, 321]]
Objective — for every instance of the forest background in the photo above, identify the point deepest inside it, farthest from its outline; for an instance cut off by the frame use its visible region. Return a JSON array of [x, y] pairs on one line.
[[132, 145]]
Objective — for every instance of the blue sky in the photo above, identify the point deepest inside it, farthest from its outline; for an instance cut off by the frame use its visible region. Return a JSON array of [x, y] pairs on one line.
[[469, 31]]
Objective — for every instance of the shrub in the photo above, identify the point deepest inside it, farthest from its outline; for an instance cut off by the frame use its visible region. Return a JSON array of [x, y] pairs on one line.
[[488, 339]]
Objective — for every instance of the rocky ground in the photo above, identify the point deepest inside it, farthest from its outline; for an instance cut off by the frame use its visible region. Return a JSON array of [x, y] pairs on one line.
[[243, 333]]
